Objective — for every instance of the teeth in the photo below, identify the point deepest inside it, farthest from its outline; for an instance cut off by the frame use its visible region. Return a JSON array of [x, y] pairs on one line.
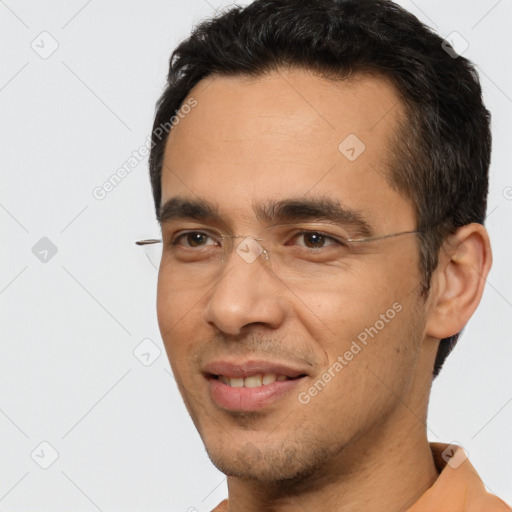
[[268, 378], [236, 383], [254, 381]]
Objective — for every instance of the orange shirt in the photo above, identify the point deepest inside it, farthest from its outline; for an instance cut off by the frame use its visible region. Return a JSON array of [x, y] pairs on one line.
[[457, 489]]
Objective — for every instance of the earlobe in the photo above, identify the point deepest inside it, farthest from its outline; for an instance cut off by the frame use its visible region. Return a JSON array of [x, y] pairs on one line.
[[464, 263]]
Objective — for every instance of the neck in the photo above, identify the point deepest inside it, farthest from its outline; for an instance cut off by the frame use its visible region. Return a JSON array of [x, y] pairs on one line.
[[382, 470]]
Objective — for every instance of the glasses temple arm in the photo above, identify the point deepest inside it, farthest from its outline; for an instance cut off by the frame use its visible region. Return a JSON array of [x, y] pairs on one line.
[[148, 241]]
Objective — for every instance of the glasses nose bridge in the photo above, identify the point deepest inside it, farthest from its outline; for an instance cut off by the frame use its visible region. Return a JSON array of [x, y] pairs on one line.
[[247, 247]]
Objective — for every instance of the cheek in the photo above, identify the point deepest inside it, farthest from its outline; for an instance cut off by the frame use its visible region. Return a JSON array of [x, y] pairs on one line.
[[369, 322], [178, 317], [393, 346], [337, 312], [371, 377]]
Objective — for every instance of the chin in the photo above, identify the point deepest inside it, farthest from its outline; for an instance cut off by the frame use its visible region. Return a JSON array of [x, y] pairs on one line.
[[278, 464]]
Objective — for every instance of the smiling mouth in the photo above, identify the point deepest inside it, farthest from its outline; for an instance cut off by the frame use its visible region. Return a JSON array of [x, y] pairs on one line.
[[254, 381]]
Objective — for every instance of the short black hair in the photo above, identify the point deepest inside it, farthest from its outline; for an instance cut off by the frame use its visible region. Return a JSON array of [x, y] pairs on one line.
[[441, 153]]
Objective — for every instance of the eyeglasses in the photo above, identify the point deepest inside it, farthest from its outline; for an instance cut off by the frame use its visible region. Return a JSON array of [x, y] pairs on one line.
[[197, 256]]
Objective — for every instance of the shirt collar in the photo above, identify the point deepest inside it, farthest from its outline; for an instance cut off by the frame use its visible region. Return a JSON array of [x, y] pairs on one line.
[[458, 487]]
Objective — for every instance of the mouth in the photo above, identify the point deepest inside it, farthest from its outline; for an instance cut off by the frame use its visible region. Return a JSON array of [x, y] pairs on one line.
[[250, 386], [252, 381]]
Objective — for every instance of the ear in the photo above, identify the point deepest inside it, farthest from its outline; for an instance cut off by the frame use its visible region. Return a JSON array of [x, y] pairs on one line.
[[458, 282]]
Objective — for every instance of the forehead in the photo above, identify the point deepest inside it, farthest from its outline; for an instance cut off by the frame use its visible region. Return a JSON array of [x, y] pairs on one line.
[[286, 133]]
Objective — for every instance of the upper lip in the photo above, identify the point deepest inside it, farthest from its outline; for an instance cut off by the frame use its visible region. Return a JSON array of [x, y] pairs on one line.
[[253, 367]]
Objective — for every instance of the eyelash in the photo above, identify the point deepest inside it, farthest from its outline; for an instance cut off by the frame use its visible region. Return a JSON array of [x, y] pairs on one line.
[[175, 241]]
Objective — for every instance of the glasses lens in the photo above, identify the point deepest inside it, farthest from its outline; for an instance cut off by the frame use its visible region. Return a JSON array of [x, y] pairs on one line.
[[153, 254], [199, 259], [301, 257]]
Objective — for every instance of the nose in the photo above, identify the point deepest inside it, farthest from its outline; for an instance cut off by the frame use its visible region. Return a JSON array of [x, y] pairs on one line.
[[247, 293]]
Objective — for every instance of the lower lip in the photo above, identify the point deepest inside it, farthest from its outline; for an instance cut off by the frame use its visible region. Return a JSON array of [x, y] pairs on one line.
[[249, 399]]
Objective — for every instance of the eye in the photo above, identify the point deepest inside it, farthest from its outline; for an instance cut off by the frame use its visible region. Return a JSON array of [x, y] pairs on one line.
[[192, 239], [316, 240]]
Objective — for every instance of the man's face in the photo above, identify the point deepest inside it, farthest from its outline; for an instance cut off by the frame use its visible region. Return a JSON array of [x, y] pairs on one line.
[[254, 344]]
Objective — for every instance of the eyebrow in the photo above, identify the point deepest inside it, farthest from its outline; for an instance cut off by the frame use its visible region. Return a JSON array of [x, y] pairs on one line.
[[271, 212]]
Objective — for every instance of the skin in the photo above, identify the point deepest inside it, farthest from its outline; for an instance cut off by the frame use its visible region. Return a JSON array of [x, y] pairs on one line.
[[360, 443]]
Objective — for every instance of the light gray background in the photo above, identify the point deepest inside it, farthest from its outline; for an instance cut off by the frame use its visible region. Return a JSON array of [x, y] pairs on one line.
[[69, 325]]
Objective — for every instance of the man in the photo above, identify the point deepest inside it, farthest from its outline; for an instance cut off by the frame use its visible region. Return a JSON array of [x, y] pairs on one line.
[[320, 174]]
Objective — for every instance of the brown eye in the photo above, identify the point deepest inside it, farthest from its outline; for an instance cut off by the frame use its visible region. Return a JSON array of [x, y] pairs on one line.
[[192, 239], [315, 240], [196, 239]]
